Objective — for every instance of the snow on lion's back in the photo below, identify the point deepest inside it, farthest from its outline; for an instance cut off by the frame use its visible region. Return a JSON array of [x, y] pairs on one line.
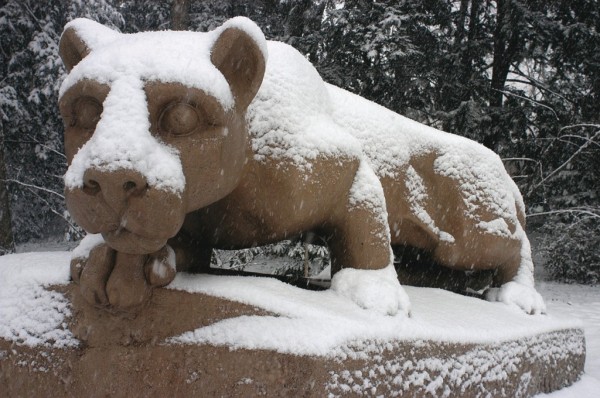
[[390, 141], [297, 116]]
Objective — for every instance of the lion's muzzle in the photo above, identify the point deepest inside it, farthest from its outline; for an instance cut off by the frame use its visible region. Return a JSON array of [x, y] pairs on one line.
[[132, 216], [115, 187]]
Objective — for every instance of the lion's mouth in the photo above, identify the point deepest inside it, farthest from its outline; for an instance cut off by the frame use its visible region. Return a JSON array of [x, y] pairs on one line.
[[123, 240], [141, 225]]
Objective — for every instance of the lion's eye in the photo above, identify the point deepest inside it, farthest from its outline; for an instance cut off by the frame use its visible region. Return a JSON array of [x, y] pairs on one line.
[[87, 111], [179, 119]]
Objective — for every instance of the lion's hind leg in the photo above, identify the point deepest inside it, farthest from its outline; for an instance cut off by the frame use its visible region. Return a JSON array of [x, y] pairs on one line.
[[514, 282]]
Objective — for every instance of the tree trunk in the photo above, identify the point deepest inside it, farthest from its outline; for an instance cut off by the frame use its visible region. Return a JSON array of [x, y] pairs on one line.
[[7, 244], [180, 15], [507, 46], [470, 51], [460, 24]]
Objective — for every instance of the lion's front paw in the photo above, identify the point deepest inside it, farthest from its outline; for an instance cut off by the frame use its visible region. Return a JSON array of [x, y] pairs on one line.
[[160, 267], [525, 297], [377, 290], [119, 281]]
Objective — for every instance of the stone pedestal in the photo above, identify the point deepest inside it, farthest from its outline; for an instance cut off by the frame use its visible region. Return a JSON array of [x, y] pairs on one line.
[[121, 356]]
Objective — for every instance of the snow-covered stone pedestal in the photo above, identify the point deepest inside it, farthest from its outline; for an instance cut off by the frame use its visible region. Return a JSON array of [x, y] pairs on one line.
[[245, 336]]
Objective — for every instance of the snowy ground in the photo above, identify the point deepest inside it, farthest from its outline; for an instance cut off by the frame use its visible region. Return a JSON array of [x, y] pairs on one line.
[[563, 301], [581, 302]]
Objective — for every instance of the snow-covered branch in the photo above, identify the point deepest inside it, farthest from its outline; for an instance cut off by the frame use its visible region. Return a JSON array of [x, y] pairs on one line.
[[573, 156], [505, 92], [593, 212], [36, 187], [72, 226]]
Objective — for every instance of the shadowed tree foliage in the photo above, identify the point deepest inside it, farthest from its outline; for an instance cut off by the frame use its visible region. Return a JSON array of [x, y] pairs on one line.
[[7, 243]]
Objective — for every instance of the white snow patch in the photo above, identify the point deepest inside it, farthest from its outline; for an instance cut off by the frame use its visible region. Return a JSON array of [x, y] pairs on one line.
[[86, 245], [289, 118], [122, 140], [377, 290], [367, 193], [165, 56], [366, 190], [30, 314], [322, 323], [161, 266], [94, 34], [514, 293], [417, 196], [495, 227]]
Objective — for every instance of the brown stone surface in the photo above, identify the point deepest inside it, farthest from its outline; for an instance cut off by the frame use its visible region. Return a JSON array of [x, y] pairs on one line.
[[169, 313], [121, 356]]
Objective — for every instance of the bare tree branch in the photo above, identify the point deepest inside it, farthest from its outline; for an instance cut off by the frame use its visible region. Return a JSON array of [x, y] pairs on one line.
[[528, 99], [573, 156], [536, 83], [34, 187], [589, 211], [53, 210]]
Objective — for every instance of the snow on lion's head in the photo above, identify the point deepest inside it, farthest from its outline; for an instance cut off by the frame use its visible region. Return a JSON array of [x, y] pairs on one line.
[[154, 125]]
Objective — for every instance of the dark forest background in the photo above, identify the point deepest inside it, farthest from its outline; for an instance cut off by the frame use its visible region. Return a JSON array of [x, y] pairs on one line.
[[520, 76]]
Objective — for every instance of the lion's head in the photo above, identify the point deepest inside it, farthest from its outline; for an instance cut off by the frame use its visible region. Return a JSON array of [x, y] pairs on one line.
[[154, 125]]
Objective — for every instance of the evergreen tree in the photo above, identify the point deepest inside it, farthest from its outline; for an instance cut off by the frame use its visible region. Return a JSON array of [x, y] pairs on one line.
[[32, 70]]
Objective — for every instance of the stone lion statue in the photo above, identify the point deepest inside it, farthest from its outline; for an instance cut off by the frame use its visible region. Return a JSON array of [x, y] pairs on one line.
[[181, 142]]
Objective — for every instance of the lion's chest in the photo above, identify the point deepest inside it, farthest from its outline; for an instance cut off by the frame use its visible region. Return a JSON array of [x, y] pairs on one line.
[[275, 201]]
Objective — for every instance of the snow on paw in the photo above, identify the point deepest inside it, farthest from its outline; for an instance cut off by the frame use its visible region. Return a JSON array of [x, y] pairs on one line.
[[160, 267], [525, 297], [376, 290], [92, 271], [119, 281]]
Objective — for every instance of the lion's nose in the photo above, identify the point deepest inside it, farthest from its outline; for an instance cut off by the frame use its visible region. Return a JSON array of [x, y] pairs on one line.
[[115, 186]]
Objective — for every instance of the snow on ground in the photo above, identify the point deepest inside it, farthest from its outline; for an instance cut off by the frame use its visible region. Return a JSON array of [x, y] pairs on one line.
[[322, 321], [30, 314], [582, 302]]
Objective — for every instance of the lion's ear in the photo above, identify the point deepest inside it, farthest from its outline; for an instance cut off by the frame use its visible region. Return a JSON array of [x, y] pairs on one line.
[[239, 53], [80, 37]]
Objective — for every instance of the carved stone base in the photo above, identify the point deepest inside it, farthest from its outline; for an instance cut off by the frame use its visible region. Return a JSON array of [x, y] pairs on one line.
[[120, 356]]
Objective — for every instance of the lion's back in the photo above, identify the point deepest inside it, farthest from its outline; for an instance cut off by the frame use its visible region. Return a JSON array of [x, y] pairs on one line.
[[290, 117]]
